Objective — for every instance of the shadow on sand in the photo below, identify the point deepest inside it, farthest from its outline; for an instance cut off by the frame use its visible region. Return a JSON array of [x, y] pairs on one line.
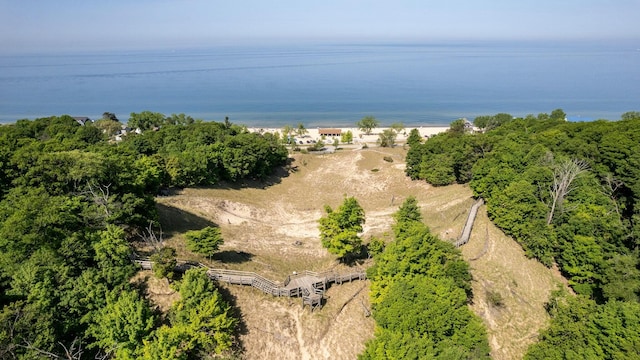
[[232, 256], [176, 220]]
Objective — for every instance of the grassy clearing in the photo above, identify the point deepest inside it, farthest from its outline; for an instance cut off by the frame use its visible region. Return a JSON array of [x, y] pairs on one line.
[[272, 230]]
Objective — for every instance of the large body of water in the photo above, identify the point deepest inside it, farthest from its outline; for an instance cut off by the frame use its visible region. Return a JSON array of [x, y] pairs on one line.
[[329, 85]]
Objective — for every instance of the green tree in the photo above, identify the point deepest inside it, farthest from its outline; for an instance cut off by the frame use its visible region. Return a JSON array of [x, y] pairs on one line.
[[435, 309], [558, 114], [419, 291], [409, 211], [339, 229], [179, 119], [113, 255], [457, 127], [367, 124], [490, 122], [108, 127], [287, 130], [205, 241], [109, 116], [438, 170], [167, 343], [581, 329], [622, 278], [346, 137], [482, 121], [89, 134], [375, 246], [145, 120], [414, 138], [630, 115], [204, 314], [122, 325], [398, 127], [164, 262], [301, 130], [387, 138]]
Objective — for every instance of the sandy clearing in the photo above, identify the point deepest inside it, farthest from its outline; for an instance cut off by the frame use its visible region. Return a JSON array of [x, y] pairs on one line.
[[276, 229]]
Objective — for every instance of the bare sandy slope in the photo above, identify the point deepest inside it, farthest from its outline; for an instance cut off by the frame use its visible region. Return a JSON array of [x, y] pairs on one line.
[[273, 231]]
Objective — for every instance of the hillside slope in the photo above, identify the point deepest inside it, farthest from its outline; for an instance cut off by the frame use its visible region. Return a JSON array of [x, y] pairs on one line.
[[273, 231]]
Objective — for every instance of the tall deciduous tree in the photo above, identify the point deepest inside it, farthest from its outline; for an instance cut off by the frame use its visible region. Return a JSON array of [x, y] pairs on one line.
[[367, 124], [564, 174]]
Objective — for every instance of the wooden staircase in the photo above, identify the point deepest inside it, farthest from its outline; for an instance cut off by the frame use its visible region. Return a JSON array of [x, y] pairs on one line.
[[308, 285]]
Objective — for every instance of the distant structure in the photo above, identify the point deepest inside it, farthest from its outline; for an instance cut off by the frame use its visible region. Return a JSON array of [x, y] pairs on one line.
[[330, 132], [82, 120]]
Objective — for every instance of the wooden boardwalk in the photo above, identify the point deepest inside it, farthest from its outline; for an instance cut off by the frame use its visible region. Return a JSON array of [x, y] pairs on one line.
[[466, 231], [308, 285]]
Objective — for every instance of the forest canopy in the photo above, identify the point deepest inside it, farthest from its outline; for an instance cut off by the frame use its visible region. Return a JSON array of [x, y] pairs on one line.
[[568, 192], [420, 286], [72, 200]]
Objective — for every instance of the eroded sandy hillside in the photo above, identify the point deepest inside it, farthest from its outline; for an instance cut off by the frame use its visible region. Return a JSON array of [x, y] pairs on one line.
[[272, 230]]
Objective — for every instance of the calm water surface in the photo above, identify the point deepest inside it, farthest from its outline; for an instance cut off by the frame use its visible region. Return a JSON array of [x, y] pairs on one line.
[[426, 84]]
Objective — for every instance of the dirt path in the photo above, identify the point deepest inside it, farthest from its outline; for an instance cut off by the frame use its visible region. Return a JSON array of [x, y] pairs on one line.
[[276, 230]]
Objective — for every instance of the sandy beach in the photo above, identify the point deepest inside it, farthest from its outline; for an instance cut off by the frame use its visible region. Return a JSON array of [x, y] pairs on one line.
[[359, 136]]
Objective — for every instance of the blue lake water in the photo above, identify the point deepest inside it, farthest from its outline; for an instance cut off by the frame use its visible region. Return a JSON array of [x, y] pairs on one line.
[[329, 85]]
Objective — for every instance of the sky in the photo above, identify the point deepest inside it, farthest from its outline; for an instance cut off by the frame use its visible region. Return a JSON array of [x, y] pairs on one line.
[[32, 25]]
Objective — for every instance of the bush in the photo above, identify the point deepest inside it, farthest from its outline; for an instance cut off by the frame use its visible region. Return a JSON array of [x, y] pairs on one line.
[[164, 262], [494, 298]]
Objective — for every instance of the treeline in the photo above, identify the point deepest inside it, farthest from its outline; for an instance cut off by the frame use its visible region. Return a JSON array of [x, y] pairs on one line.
[[420, 287], [71, 202], [569, 193]]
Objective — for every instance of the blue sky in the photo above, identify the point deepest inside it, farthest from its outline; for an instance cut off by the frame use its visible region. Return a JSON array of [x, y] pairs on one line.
[[27, 25]]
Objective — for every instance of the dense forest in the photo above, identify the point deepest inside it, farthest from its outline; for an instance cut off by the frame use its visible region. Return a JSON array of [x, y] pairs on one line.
[[569, 193], [72, 202], [420, 286], [74, 198]]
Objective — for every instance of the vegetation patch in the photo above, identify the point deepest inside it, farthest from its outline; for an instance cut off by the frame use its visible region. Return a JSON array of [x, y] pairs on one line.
[[563, 190]]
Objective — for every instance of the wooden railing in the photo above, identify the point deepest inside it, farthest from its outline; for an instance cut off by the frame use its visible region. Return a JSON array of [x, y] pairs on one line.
[[259, 282]]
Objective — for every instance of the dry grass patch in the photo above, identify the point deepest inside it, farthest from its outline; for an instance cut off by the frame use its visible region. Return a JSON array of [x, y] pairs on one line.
[[273, 230]]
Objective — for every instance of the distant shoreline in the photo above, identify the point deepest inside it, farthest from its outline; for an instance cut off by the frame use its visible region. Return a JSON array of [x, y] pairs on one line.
[[426, 130], [359, 135]]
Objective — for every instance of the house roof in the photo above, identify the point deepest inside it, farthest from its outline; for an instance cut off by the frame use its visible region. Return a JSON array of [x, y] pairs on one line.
[[329, 131], [81, 119]]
